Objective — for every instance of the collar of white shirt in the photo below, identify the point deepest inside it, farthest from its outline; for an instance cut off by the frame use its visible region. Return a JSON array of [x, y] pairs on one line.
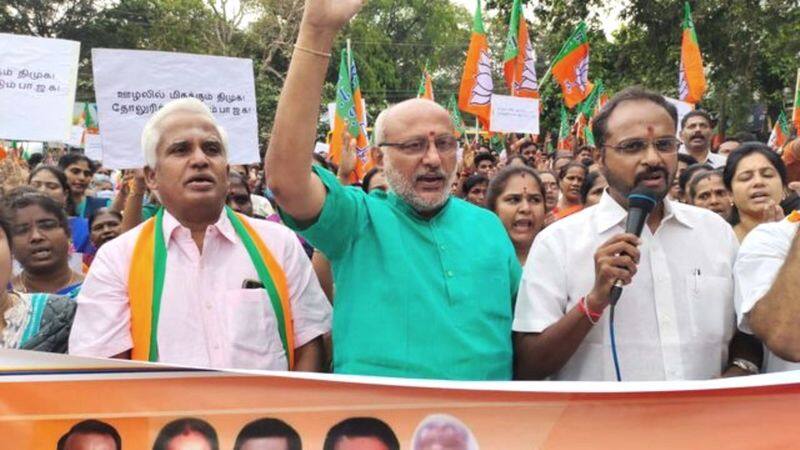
[[223, 225], [609, 213]]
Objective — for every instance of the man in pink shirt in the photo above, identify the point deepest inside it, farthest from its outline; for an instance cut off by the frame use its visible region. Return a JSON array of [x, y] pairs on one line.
[[214, 310]]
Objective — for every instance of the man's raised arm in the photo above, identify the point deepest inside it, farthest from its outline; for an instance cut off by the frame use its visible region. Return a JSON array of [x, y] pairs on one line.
[[288, 161]]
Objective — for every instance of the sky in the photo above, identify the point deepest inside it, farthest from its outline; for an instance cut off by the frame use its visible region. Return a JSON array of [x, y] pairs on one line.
[[611, 12]]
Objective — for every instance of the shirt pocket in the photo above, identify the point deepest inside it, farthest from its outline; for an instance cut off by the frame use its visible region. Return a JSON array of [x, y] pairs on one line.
[[252, 333], [711, 310]]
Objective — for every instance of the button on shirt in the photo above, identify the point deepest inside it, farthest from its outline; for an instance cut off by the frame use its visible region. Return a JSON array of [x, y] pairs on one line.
[[673, 322], [414, 297], [207, 319], [761, 256]]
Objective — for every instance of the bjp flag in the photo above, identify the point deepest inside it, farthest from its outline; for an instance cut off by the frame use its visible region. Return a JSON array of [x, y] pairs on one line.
[[475, 92], [345, 119], [519, 61], [425, 85], [780, 132], [363, 161], [691, 79], [571, 67]]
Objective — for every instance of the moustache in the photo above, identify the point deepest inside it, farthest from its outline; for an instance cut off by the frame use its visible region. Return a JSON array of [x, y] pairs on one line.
[[649, 172], [430, 174]]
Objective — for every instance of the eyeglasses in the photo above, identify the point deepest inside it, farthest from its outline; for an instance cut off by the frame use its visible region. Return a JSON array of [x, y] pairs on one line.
[[664, 145], [445, 144]]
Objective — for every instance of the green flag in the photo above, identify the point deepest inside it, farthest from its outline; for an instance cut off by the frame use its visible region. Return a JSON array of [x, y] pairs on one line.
[[455, 116], [345, 107]]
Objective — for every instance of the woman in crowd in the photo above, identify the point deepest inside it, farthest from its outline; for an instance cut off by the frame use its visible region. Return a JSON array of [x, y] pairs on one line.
[[517, 196], [592, 189], [30, 321], [756, 176], [570, 180], [79, 171], [104, 225], [51, 181], [707, 190], [474, 189], [40, 238], [685, 178]]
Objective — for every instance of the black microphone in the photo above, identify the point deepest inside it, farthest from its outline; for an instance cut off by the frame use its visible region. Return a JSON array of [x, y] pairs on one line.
[[640, 202]]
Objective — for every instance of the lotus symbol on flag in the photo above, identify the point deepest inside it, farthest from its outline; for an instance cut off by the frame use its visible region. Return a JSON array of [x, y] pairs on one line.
[[683, 86], [482, 92], [582, 74], [529, 81]]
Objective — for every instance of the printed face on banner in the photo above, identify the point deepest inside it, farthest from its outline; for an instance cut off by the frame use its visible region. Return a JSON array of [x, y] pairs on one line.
[[37, 87], [131, 85], [360, 443]]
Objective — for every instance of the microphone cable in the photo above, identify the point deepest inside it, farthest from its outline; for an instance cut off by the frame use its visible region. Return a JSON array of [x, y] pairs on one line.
[[614, 342]]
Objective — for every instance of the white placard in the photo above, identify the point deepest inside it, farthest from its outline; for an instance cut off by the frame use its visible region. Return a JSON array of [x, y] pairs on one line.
[[683, 109], [37, 87], [321, 148], [514, 114], [331, 114], [75, 138], [130, 85], [93, 147]]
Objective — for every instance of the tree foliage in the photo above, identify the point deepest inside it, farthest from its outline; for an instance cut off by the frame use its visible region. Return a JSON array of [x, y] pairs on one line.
[[751, 48]]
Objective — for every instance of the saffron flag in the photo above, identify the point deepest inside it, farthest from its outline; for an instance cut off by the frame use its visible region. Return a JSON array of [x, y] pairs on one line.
[[571, 67], [691, 80], [796, 110], [780, 132], [345, 119], [475, 92], [363, 161], [563, 131], [425, 85], [519, 59], [455, 116]]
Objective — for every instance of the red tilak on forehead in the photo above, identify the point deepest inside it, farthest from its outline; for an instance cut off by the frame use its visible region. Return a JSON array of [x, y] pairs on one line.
[[651, 132]]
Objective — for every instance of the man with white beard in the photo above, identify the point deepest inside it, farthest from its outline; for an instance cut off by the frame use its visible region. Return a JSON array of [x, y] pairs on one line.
[[424, 282]]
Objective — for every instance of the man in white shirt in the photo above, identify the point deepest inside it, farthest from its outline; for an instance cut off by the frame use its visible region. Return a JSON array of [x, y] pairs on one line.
[[768, 290], [696, 131], [675, 317]]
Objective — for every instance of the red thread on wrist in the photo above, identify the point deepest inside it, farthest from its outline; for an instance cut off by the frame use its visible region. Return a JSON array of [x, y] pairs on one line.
[[584, 308]]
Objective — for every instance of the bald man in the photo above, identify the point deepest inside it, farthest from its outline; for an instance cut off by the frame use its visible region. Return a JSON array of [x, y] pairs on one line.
[[424, 282]]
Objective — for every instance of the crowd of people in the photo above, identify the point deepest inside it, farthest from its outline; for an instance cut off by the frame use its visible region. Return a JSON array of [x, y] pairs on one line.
[[446, 261]]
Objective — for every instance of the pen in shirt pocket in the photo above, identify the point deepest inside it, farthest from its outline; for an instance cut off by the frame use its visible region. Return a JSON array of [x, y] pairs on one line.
[[252, 284], [696, 279]]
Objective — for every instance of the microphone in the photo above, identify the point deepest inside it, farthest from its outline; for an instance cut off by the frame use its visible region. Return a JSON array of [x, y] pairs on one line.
[[640, 202]]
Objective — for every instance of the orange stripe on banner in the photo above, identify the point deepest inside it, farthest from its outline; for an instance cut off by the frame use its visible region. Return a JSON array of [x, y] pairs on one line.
[[140, 289], [279, 277]]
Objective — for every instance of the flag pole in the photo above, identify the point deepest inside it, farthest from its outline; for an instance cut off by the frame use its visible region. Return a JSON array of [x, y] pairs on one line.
[[349, 56]]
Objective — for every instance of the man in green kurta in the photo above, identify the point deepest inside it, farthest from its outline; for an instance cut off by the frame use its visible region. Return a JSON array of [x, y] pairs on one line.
[[424, 282]]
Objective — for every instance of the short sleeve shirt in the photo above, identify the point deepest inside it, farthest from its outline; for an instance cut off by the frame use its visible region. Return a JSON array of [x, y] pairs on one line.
[[761, 256], [416, 297], [675, 319]]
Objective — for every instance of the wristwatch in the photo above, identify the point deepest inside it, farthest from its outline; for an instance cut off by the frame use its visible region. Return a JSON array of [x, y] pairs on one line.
[[746, 365]]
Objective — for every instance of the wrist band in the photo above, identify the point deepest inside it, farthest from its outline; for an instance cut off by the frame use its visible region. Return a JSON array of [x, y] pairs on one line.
[[311, 51], [593, 317]]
